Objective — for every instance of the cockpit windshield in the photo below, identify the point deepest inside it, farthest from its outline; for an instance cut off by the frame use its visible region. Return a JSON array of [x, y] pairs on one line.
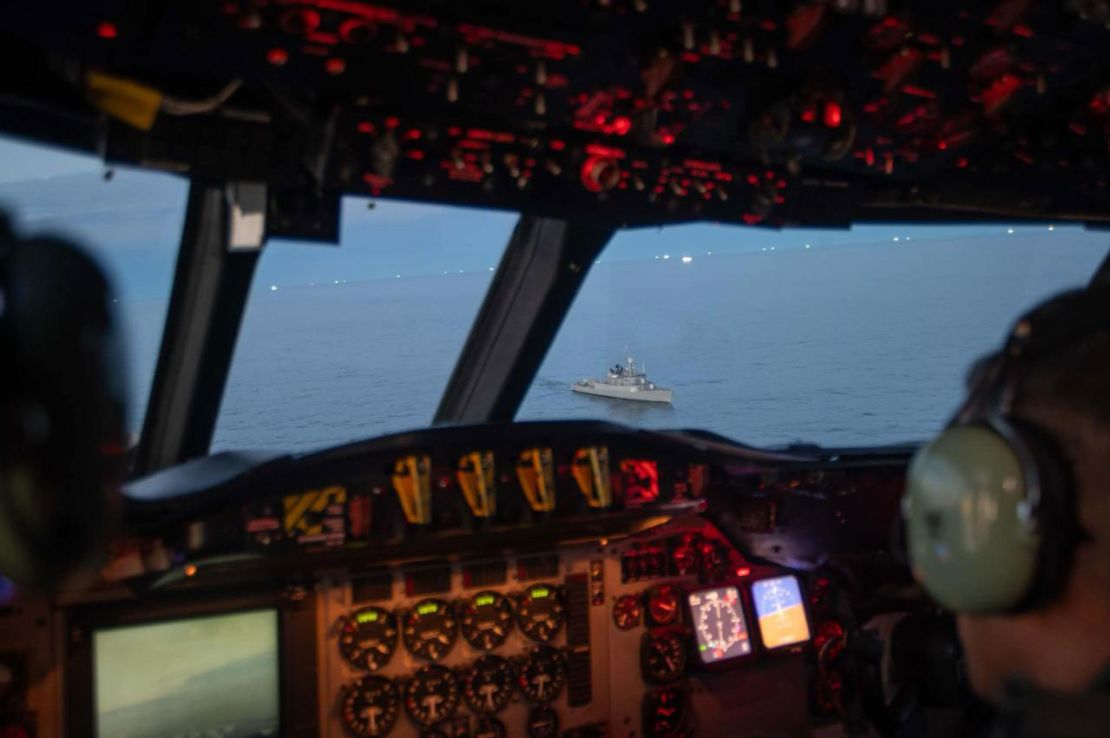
[[833, 337]]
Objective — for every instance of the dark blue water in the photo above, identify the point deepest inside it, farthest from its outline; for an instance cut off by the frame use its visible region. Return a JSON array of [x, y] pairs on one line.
[[848, 345]]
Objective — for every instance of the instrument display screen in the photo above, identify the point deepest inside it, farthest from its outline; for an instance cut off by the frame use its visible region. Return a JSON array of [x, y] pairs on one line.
[[780, 612], [213, 675], [719, 623]]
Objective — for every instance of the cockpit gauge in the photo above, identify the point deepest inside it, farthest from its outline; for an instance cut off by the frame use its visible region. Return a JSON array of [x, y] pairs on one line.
[[719, 624], [543, 722], [368, 638], [627, 612], [488, 684], [371, 706], [662, 657], [489, 727], [542, 675], [540, 612], [430, 629], [486, 619], [663, 604], [432, 695], [664, 713]]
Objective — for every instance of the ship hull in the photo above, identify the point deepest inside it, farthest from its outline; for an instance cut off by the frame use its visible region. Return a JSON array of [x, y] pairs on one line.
[[624, 393]]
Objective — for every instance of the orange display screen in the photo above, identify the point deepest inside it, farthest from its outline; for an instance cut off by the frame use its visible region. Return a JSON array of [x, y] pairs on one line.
[[780, 612]]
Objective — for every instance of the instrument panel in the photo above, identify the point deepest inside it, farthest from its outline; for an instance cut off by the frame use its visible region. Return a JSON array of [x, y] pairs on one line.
[[598, 639]]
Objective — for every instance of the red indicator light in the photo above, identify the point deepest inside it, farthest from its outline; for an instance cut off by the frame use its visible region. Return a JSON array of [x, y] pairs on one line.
[[277, 56], [667, 138], [392, 121], [599, 119], [621, 125], [335, 66], [365, 127], [557, 145], [107, 30], [833, 114], [639, 482], [809, 115], [942, 145], [412, 134], [743, 571]]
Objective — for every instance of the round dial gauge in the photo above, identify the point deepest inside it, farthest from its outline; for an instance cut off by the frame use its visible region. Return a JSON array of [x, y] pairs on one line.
[[430, 629], [543, 722], [488, 684], [432, 695], [627, 612], [489, 727], [369, 638], [664, 713], [542, 675], [663, 604], [371, 707], [486, 620], [540, 612], [719, 623], [662, 657]]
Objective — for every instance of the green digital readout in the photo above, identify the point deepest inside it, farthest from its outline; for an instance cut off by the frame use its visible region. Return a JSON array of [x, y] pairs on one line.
[[428, 609], [483, 600], [538, 593], [367, 617]]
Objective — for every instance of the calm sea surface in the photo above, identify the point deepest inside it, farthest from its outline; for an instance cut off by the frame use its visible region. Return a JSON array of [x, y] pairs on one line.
[[840, 346]]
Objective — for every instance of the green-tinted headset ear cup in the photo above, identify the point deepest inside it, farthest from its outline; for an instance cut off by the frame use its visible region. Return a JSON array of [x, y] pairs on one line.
[[969, 527]]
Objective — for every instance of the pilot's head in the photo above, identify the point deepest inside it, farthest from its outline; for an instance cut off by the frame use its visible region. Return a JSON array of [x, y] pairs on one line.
[[1008, 510]]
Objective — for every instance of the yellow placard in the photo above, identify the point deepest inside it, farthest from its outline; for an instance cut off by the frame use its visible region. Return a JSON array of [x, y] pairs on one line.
[[536, 471], [591, 472], [476, 479], [303, 514], [412, 481]]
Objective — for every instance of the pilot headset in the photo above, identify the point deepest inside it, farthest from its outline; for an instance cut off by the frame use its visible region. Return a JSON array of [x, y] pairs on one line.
[[990, 509]]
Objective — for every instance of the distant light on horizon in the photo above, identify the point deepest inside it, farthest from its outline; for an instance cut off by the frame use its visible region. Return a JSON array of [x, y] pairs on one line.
[[1052, 228], [807, 245], [907, 238], [772, 248], [337, 281], [896, 238], [687, 259], [666, 256], [764, 248], [398, 276], [273, 288], [709, 253], [491, 269], [1010, 231], [657, 257]]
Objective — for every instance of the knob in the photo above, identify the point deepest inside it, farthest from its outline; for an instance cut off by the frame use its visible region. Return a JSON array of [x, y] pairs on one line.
[[600, 174]]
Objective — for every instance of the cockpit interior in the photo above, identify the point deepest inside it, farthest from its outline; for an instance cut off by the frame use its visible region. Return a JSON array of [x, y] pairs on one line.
[[487, 575]]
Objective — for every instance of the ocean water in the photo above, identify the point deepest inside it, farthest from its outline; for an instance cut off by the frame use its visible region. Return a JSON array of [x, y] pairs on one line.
[[864, 344]]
